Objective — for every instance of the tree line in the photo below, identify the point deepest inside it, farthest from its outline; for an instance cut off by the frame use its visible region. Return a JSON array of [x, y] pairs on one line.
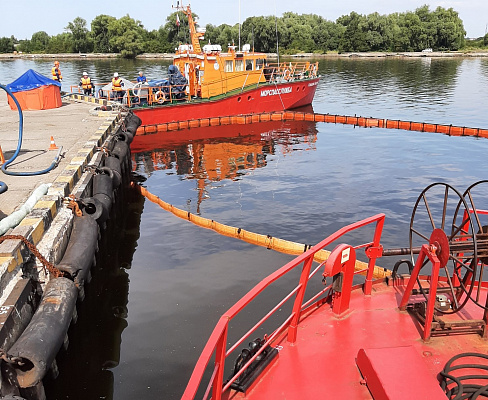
[[441, 29]]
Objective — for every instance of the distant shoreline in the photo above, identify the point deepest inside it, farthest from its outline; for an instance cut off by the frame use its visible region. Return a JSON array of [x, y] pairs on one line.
[[169, 56]]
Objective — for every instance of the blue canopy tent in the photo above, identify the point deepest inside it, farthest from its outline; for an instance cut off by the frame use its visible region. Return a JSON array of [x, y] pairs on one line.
[[34, 91]]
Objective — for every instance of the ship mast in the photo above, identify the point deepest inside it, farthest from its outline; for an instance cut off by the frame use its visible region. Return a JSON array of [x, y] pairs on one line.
[[195, 36]]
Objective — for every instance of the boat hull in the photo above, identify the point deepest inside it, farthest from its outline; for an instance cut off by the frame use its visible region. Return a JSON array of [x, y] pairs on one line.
[[268, 98]]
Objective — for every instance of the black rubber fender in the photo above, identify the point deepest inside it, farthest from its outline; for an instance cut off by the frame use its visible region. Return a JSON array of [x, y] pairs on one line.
[[81, 249], [121, 151], [102, 182], [113, 163], [122, 136], [106, 203], [92, 208], [40, 342]]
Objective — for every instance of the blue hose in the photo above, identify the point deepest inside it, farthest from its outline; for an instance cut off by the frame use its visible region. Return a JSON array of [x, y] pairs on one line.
[[3, 186]]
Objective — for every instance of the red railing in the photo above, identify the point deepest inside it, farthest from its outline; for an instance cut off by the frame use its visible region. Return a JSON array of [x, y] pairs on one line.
[[218, 339]]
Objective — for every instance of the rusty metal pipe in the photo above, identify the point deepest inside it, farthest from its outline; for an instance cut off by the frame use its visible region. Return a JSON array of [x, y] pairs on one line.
[[402, 251]]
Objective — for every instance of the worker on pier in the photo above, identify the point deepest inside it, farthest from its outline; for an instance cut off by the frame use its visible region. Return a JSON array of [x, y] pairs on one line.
[[86, 84], [117, 87], [141, 78], [56, 72]]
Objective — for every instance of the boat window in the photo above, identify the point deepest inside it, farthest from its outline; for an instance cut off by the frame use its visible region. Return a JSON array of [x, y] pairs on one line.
[[229, 66], [239, 65], [260, 63], [248, 65]]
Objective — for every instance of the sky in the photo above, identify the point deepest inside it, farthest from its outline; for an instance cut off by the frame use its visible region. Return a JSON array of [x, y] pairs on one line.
[[24, 17]]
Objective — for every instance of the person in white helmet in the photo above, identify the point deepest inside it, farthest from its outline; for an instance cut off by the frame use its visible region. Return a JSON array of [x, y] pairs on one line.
[[86, 84], [117, 87]]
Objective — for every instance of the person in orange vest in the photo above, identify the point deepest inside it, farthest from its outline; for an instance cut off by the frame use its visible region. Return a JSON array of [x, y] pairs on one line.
[[86, 84], [117, 87], [56, 72]]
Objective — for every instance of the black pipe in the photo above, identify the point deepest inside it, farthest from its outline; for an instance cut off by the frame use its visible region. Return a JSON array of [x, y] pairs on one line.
[[92, 207], [103, 192], [40, 342], [102, 182], [402, 251], [120, 150], [113, 164], [80, 253], [106, 203]]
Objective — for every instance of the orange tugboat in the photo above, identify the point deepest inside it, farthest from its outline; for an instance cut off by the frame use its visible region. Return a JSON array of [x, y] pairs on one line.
[[207, 82], [346, 331]]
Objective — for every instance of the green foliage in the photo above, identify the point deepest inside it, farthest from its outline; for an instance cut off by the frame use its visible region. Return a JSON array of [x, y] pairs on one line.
[[7, 45], [100, 34], [126, 36], [39, 42], [178, 34], [62, 43], [441, 29], [81, 41]]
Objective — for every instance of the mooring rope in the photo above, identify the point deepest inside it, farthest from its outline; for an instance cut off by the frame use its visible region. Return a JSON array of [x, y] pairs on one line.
[[270, 242]]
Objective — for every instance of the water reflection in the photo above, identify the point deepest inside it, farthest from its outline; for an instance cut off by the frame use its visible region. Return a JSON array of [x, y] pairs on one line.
[[212, 154], [422, 89], [96, 338]]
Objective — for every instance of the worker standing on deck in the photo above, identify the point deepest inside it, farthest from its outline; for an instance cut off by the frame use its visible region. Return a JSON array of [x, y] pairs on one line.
[[56, 72], [86, 84], [141, 78], [117, 87]]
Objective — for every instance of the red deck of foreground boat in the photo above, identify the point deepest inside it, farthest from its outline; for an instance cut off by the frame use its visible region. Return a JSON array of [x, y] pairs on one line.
[[382, 339], [322, 362]]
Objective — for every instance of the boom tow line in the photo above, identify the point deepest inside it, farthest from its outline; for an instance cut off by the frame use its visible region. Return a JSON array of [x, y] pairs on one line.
[[272, 243]]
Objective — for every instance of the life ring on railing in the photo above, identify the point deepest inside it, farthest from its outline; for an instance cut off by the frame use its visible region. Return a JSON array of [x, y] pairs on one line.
[[314, 71], [136, 90], [287, 74], [160, 97]]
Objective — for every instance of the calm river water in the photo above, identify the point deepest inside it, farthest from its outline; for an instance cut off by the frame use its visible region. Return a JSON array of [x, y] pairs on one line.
[[163, 283]]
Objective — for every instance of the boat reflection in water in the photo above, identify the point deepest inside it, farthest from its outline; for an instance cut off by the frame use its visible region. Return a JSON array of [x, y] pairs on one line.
[[212, 154]]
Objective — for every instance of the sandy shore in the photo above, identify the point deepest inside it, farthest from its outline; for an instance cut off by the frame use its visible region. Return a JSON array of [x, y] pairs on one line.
[[270, 55]]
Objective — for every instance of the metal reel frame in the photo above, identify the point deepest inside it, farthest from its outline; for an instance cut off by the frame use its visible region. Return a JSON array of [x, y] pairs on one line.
[[453, 244], [481, 238]]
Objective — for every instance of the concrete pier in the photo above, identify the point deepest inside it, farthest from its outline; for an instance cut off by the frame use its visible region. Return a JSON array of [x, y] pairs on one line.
[[81, 130], [71, 126]]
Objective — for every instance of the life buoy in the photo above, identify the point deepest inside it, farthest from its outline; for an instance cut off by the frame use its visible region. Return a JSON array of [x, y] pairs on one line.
[[314, 71], [286, 74], [160, 97], [137, 89]]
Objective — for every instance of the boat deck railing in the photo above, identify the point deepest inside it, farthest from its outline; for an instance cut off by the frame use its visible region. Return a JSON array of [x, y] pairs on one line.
[[217, 344], [276, 73]]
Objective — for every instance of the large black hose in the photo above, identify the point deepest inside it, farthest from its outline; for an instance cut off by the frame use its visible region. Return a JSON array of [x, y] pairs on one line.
[[80, 253], [40, 342], [461, 387]]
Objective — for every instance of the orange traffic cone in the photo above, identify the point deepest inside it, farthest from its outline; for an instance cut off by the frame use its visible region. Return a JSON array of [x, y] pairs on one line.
[[53, 145], [2, 158]]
